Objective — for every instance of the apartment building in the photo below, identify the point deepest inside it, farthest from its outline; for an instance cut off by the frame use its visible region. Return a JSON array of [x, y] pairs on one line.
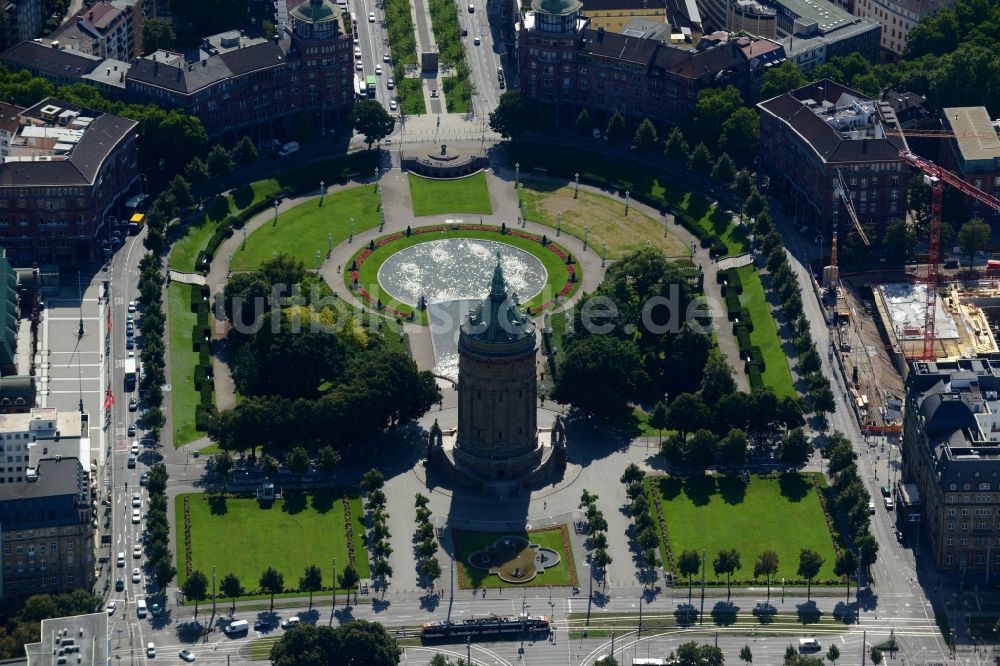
[[809, 46], [974, 154], [614, 15], [106, 29], [66, 168], [812, 136], [897, 18], [951, 454]]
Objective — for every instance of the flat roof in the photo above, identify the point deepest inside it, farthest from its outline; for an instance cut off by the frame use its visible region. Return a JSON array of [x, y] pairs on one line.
[[907, 304], [828, 15], [981, 141], [85, 635]]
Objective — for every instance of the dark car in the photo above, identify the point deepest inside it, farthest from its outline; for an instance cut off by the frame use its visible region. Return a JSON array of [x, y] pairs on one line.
[[131, 430], [130, 344], [133, 405], [119, 584], [885, 491], [262, 625], [144, 478]]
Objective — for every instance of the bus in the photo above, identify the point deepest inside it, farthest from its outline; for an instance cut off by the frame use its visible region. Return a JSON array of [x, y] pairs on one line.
[[370, 83], [131, 374], [136, 223]]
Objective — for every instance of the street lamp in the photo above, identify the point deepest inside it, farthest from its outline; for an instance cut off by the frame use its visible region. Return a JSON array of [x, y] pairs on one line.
[[322, 191], [819, 239], [626, 202], [329, 244], [576, 179], [517, 173], [334, 604], [350, 229], [604, 252], [244, 235], [666, 224], [276, 203], [558, 223], [319, 262], [524, 213], [586, 233]]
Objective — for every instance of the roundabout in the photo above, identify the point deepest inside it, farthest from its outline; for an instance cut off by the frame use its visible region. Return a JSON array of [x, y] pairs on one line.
[[453, 262]]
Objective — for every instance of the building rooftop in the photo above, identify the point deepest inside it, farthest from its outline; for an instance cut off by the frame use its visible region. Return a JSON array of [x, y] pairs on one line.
[[621, 5], [192, 77], [840, 124], [616, 46], [977, 136], [923, 7], [110, 72], [826, 14], [88, 633], [498, 320], [8, 117], [45, 421], [228, 41], [54, 62], [56, 477], [803, 41]]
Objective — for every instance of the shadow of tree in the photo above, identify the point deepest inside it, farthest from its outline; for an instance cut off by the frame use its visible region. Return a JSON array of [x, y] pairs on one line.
[[724, 613], [324, 500], [190, 631], [732, 489], [699, 489], [809, 613], [430, 602], [764, 613], [670, 488], [295, 502], [217, 505], [344, 614], [686, 615], [794, 486], [380, 605]]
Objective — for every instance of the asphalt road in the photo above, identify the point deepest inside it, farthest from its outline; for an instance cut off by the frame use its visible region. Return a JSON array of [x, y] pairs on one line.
[[374, 42]]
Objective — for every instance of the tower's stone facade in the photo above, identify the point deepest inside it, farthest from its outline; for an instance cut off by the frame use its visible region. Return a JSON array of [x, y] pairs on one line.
[[497, 421]]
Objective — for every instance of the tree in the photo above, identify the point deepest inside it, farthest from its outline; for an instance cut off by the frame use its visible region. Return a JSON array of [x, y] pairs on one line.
[[876, 655], [632, 474], [180, 190], [727, 562], [245, 151], [222, 466], [600, 374], [195, 587], [833, 654], [702, 448], [795, 448], [616, 130], [645, 136], [742, 184], [513, 115], [606, 660], [312, 580], [354, 642], [713, 107], [370, 119], [220, 163], [677, 146], [845, 566], [349, 578], [724, 170], [658, 418], [781, 79], [693, 654], [328, 459], [163, 572], [383, 572], [372, 480], [231, 587], [717, 380], [754, 204], [269, 466], [973, 237], [767, 565], [430, 569], [741, 136], [687, 413], [297, 461], [156, 35], [898, 242], [733, 448], [272, 582], [584, 125], [746, 655], [700, 160], [197, 173], [810, 562]]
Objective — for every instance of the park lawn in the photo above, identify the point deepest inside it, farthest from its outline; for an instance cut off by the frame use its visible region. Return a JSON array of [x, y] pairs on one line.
[[555, 269], [780, 514], [184, 252], [184, 398], [303, 229], [460, 195], [776, 373], [603, 214], [457, 93], [236, 535], [411, 96], [564, 574]]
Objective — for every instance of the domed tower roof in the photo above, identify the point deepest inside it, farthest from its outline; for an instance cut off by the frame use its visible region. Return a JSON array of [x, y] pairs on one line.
[[316, 10], [556, 7], [497, 320]]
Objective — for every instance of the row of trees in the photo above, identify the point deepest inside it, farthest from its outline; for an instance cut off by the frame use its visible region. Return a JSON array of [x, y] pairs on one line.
[[372, 484], [425, 545], [728, 561], [158, 551], [354, 642], [152, 355], [643, 527], [597, 527], [850, 496]]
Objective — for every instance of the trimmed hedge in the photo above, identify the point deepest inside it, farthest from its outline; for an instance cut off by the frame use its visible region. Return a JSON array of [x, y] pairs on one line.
[[201, 417], [742, 334], [745, 318], [732, 303], [205, 354], [718, 249], [756, 380]]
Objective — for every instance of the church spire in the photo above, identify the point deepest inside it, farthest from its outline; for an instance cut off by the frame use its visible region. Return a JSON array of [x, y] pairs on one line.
[[498, 288]]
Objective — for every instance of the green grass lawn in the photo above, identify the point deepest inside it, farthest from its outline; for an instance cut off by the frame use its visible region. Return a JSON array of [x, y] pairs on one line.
[[554, 266], [303, 229], [183, 360], [457, 93], [411, 96], [564, 574], [236, 535], [717, 223], [462, 195], [783, 515], [765, 333]]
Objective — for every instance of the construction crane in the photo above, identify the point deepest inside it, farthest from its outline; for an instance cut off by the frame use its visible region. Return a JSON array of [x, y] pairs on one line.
[[936, 177], [845, 196]]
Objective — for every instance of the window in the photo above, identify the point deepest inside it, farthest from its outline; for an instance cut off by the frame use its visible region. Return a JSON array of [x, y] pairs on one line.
[[951, 525], [949, 559], [964, 541], [984, 486], [950, 541]]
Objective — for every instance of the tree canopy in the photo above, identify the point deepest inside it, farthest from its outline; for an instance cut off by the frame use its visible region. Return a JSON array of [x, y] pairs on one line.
[[370, 119], [354, 643]]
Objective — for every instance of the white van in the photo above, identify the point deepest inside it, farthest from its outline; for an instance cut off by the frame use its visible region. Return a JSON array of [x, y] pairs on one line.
[[237, 627], [140, 608], [289, 148], [809, 645]]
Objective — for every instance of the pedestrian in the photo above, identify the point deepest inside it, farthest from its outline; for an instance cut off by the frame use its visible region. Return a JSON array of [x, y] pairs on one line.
[[545, 504], [480, 221]]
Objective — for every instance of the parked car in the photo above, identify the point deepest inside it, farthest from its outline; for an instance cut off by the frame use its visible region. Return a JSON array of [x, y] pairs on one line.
[[135, 447], [385, 56], [476, 41], [131, 462], [131, 430], [144, 478], [130, 344], [596, 133], [131, 306], [133, 405], [885, 491], [371, 17], [392, 105], [150, 650], [186, 655], [290, 622]]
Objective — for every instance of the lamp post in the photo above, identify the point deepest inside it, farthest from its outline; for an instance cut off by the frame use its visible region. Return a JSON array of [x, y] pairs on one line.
[[666, 224], [213, 590], [558, 223], [329, 244], [319, 262], [334, 604], [79, 292], [517, 173], [350, 231], [276, 203], [576, 180], [626, 201], [692, 248], [322, 191], [244, 236], [586, 233], [524, 213], [604, 252], [378, 190]]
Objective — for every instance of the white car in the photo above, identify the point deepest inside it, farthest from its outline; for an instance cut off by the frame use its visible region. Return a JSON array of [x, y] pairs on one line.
[[390, 83], [378, 70], [356, 40], [371, 17], [135, 447], [121, 559], [290, 622], [136, 500], [392, 105], [136, 516], [385, 56], [136, 575], [359, 67], [357, 53], [137, 551], [131, 306], [476, 41], [186, 655], [111, 607], [150, 650]]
